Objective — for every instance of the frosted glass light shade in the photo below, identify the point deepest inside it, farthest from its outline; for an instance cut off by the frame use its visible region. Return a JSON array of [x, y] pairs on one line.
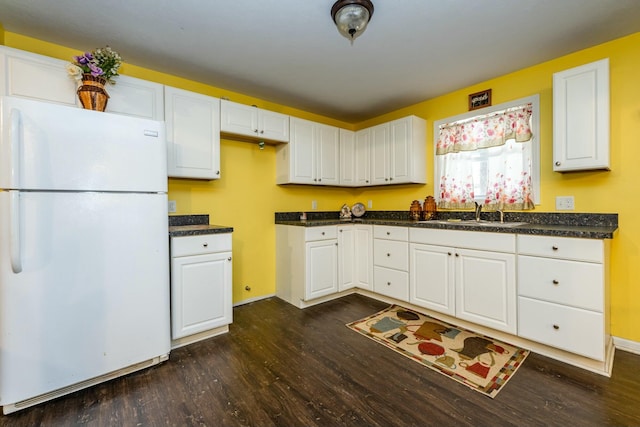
[[351, 17]]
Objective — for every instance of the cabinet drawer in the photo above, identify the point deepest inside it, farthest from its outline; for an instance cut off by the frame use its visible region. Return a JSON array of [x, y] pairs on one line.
[[392, 283], [320, 233], [391, 254], [579, 284], [568, 328], [562, 247], [201, 244], [481, 240], [391, 233]]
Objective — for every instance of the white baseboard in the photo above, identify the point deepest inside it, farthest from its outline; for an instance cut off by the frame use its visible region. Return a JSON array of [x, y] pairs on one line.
[[247, 301], [627, 345]]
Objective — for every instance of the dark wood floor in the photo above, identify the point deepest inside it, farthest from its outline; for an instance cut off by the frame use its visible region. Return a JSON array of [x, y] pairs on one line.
[[281, 366]]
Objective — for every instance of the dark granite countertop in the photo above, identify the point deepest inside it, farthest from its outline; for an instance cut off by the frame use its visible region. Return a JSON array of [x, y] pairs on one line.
[[587, 226], [193, 225]]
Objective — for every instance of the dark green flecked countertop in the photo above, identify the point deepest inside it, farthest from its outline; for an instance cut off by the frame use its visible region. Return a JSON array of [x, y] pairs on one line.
[[193, 225], [582, 225]]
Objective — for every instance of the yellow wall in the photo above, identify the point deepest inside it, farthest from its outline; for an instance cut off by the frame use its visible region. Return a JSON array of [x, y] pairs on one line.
[[246, 197]]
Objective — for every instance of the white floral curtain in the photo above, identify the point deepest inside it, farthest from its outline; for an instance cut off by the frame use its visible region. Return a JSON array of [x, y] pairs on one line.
[[490, 155]]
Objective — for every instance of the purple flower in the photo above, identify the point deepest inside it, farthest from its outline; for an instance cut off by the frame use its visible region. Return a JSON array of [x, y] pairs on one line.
[[95, 70]]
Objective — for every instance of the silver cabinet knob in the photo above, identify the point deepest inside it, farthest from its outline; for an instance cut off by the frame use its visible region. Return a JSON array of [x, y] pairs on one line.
[[558, 163]]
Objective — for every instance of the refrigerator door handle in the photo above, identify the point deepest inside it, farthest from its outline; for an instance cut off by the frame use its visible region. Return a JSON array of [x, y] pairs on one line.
[[16, 143], [14, 231]]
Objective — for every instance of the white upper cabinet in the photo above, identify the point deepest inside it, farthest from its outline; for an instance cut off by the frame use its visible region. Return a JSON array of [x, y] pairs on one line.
[[398, 152], [136, 97], [42, 78], [347, 158], [408, 140], [251, 121], [363, 158], [379, 143], [193, 134], [581, 118], [36, 77], [312, 155], [355, 158]]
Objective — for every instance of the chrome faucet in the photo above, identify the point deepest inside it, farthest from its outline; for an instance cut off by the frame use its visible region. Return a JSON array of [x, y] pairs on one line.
[[478, 210], [501, 212]]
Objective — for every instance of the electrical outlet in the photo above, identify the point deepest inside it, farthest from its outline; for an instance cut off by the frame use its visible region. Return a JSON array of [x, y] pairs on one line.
[[565, 203], [314, 204], [370, 204], [172, 206]]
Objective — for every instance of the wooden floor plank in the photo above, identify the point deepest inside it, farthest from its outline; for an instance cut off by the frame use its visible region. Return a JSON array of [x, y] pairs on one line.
[[281, 366]]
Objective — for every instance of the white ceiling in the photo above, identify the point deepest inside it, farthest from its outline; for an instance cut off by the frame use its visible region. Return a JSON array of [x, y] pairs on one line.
[[289, 51]]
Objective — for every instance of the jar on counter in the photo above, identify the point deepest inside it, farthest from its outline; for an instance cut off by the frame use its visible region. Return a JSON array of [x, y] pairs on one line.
[[415, 211], [429, 209]]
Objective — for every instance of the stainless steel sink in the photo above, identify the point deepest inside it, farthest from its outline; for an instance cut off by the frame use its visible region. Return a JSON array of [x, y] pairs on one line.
[[483, 223], [473, 222]]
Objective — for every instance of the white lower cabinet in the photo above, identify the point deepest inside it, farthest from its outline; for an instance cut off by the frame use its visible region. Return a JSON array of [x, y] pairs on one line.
[[469, 275], [322, 268], [306, 263], [431, 273], [486, 288], [355, 256], [550, 291], [562, 293], [391, 261], [201, 274]]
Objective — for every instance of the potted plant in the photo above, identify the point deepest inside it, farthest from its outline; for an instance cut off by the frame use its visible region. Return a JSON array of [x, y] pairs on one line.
[[95, 69]]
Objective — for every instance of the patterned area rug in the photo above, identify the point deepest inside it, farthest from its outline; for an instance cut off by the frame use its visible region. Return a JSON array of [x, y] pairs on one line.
[[477, 361]]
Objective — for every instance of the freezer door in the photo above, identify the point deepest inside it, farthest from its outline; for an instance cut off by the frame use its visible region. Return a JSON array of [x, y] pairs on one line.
[[53, 147], [91, 294]]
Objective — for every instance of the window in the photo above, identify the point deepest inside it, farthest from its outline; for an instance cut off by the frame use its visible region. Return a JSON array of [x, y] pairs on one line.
[[492, 159]]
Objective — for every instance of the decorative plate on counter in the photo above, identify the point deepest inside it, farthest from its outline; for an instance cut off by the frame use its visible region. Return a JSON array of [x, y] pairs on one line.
[[358, 210]]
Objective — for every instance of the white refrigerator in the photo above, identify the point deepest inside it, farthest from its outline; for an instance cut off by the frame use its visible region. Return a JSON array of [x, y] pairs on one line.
[[84, 264]]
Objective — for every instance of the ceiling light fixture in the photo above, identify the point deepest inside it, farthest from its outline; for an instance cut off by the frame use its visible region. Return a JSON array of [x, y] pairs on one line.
[[351, 17]]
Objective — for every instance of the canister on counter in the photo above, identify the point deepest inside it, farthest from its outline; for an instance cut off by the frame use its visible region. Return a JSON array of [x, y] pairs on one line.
[[429, 209], [415, 211]]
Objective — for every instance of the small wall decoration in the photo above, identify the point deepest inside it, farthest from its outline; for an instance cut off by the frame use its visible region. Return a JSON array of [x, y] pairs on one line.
[[480, 99]]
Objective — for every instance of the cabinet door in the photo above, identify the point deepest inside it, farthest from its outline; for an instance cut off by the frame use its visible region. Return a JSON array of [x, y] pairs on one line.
[[363, 158], [346, 257], [38, 77], [347, 158], [238, 119], [273, 126], [399, 151], [322, 268], [200, 293], [327, 152], [301, 157], [363, 256], [432, 277], [379, 154], [193, 134], [581, 118], [137, 98], [485, 285]]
